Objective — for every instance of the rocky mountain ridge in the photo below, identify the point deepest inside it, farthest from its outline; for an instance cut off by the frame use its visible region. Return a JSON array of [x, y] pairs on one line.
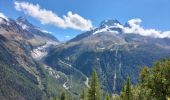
[[36, 58], [113, 53]]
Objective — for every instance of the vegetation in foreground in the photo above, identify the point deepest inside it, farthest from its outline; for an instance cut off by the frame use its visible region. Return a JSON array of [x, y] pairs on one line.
[[154, 84]]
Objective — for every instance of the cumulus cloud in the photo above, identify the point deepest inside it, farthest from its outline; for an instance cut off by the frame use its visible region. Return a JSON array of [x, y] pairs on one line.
[[2, 16], [70, 20], [135, 28]]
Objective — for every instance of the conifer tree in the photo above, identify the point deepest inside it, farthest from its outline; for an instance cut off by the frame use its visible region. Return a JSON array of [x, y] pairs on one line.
[[107, 97], [83, 95], [63, 96], [94, 92], [128, 89], [126, 93]]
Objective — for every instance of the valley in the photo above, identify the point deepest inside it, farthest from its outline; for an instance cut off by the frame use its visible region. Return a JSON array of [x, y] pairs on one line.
[[36, 66]]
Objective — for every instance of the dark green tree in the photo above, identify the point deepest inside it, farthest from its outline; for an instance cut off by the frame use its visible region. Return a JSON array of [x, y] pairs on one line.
[[63, 96], [126, 93], [154, 82], [107, 97], [83, 95], [158, 80], [94, 92]]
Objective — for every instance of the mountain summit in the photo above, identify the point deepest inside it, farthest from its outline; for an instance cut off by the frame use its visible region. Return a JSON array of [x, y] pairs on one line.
[[36, 57], [110, 22], [24, 22], [112, 52]]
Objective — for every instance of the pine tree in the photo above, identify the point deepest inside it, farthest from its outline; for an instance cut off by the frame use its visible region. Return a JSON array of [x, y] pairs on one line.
[[128, 89], [94, 89], [107, 97], [154, 82], [126, 93], [83, 95], [63, 96]]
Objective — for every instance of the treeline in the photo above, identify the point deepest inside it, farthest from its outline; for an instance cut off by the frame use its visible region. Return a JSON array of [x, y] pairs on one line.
[[154, 84]]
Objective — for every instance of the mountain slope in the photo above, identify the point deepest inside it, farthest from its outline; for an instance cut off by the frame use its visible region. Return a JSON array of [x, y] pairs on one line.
[[114, 54], [18, 79], [23, 47], [22, 77], [36, 31], [35, 66]]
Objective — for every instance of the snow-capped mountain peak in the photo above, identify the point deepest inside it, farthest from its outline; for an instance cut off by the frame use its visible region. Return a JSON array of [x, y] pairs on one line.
[[22, 19], [3, 19], [108, 26], [24, 23], [108, 23]]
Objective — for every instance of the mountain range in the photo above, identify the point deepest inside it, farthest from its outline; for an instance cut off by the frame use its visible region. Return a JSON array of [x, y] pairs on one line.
[[35, 65], [114, 54]]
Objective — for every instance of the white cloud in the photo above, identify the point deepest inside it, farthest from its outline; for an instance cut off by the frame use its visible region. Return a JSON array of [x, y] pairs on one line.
[[67, 36], [70, 20], [136, 28], [2, 16], [45, 31]]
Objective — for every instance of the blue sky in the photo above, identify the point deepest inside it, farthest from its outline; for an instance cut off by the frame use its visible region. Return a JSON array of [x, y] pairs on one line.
[[154, 13]]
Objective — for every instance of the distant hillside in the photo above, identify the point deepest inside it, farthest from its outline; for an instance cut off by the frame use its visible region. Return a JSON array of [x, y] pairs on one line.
[[113, 53]]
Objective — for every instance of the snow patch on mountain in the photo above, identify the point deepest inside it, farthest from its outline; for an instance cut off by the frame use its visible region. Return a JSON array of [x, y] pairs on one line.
[[3, 16], [106, 29], [133, 26], [87, 82], [24, 26], [3, 19], [41, 51]]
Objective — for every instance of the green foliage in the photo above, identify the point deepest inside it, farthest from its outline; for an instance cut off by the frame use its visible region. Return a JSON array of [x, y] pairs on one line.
[[107, 97], [83, 95], [71, 98], [94, 92], [15, 85], [154, 83], [141, 93], [143, 74], [56, 98], [126, 93], [116, 97], [63, 96], [158, 80]]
